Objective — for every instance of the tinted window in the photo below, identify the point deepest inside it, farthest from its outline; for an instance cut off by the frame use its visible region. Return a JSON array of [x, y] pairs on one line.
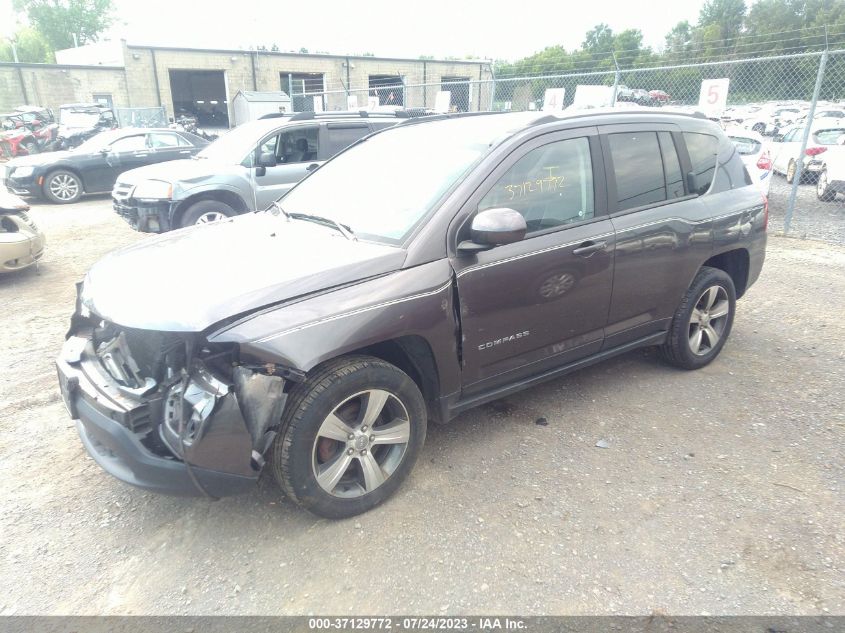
[[671, 166], [550, 186], [702, 154], [163, 140], [731, 173], [638, 168], [342, 136], [129, 144]]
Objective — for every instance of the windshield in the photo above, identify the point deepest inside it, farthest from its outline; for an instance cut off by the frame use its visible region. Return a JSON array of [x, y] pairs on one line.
[[383, 188], [78, 118], [234, 146]]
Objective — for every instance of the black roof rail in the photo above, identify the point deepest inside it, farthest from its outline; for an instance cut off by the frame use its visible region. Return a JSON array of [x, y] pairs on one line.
[[365, 114], [447, 115]]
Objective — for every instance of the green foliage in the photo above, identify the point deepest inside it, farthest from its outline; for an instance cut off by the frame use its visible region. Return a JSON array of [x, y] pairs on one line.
[[31, 47], [59, 20]]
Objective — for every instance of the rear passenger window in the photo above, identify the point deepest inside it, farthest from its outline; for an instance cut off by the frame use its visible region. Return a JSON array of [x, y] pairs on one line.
[[638, 168], [702, 153], [732, 173], [550, 186], [342, 136]]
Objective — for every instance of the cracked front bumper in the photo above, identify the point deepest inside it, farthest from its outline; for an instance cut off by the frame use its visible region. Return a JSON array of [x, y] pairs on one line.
[[116, 430], [147, 217]]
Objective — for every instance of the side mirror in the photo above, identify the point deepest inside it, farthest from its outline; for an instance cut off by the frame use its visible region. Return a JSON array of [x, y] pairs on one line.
[[494, 227], [266, 159]]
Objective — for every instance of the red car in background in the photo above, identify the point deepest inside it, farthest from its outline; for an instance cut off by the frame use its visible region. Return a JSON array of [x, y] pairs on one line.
[[659, 95]]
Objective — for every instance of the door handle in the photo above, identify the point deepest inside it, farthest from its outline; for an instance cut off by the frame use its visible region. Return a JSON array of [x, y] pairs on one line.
[[142, 154], [312, 167], [588, 248], [185, 151]]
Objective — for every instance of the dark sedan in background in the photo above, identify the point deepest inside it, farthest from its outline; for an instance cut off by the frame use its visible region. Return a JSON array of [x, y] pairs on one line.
[[93, 167]]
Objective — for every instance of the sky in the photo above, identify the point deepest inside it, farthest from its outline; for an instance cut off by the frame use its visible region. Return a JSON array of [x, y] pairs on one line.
[[489, 29]]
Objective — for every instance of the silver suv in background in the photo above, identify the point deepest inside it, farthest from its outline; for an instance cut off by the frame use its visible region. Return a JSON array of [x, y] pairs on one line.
[[246, 169]]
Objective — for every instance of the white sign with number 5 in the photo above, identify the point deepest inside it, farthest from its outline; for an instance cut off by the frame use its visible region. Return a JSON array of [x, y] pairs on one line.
[[714, 96]]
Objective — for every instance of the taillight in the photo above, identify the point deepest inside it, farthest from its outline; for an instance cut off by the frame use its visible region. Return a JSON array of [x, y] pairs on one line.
[[765, 213], [814, 151], [764, 162]]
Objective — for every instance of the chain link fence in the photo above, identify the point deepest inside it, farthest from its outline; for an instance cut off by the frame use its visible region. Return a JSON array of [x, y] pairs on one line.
[[764, 103], [142, 117]]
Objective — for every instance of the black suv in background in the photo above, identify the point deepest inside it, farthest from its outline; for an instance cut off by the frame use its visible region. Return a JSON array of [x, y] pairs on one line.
[[435, 266], [247, 168]]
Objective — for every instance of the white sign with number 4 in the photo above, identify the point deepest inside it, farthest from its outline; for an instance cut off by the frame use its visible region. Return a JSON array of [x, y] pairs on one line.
[[553, 99], [714, 96]]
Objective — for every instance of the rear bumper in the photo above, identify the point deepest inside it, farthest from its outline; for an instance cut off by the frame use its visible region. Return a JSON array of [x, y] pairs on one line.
[[117, 432], [147, 217]]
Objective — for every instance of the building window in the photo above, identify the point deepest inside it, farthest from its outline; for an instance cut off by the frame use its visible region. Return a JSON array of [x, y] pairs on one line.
[[390, 89], [103, 99]]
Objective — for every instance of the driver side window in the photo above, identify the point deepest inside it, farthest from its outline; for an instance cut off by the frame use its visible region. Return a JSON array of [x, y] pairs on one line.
[[550, 186]]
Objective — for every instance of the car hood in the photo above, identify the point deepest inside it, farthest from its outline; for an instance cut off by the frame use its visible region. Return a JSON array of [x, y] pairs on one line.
[[176, 170], [188, 280], [39, 159]]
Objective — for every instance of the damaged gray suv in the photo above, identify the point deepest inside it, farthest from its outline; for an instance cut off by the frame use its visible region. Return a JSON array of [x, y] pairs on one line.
[[432, 267]]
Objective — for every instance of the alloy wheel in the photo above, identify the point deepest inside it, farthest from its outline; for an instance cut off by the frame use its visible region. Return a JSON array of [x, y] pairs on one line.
[[361, 443], [790, 171], [64, 187], [821, 184], [708, 320], [211, 216]]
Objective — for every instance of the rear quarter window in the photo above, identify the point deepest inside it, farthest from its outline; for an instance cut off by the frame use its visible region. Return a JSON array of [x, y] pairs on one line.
[[731, 173], [702, 150], [833, 136]]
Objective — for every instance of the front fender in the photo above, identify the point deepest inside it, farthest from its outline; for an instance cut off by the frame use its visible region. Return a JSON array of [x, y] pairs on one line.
[[301, 334]]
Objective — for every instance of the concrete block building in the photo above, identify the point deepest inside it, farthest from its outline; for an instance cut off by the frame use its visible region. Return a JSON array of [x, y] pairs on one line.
[[204, 81]]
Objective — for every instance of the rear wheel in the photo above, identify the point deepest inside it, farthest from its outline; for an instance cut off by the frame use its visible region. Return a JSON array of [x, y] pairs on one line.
[[824, 192], [703, 320], [62, 187], [790, 171], [205, 212], [350, 435]]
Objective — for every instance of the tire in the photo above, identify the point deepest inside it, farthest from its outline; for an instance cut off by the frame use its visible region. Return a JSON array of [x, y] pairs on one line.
[[688, 330], [790, 171], [62, 187], [824, 192], [203, 212], [303, 454]]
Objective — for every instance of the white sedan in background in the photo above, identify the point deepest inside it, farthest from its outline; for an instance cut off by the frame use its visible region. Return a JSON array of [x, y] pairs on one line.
[[832, 172], [755, 154], [823, 138]]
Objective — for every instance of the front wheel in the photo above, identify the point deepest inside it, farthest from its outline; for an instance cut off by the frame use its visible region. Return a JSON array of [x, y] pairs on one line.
[[350, 435], [824, 191], [62, 187], [205, 212], [790, 171], [703, 320]]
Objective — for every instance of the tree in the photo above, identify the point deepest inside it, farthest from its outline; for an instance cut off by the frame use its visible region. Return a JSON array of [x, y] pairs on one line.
[[59, 20], [599, 41], [728, 15], [30, 45]]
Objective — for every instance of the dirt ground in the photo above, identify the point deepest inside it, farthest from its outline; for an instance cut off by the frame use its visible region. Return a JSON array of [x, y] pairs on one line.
[[720, 492]]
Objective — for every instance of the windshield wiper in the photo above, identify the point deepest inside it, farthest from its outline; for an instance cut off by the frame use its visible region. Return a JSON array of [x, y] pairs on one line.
[[308, 217]]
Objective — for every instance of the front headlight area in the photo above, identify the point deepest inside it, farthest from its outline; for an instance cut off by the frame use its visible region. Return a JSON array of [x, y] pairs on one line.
[[153, 190], [24, 171]]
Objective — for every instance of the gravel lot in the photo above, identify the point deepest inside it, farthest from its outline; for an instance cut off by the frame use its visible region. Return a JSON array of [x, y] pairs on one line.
[[721, 491], [812, 218]]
